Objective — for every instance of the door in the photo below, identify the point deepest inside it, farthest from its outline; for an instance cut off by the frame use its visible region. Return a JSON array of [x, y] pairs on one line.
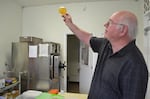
[[73, 45], [73, 50], [86, 68], [82, 70]]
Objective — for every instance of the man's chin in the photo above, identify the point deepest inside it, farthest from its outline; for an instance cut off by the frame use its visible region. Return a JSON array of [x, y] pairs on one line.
[[105, 36]]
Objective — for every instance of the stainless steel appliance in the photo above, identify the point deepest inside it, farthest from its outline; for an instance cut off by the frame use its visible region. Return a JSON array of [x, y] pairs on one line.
[[40, 60]]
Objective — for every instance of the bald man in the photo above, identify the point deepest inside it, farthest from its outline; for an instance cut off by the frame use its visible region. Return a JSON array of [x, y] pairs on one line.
[[121, 71]]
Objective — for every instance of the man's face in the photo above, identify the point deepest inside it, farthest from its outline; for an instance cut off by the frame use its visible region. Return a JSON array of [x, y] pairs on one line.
[[112, 29]]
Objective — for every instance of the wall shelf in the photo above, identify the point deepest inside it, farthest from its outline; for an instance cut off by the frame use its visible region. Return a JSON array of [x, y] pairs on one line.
[[9, 87]]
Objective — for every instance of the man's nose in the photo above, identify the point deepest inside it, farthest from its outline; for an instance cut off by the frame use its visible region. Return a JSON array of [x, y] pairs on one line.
[[106, 24]]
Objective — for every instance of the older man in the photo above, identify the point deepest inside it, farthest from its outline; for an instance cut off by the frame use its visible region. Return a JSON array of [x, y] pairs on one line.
[[121, 71]]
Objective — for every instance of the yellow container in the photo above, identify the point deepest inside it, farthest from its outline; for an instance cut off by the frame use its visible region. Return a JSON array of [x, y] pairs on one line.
[[62, 10]]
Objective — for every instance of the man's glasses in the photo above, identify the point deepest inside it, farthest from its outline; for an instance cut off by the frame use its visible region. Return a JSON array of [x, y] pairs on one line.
[[110, 22]]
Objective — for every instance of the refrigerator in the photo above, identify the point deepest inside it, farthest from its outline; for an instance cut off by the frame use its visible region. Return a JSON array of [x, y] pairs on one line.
[[38, 64]]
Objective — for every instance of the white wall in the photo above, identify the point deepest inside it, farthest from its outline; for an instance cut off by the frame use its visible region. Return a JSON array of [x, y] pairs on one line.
[[10, 29]]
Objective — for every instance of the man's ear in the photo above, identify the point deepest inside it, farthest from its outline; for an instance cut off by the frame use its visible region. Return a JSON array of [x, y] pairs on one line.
[[124, 29]]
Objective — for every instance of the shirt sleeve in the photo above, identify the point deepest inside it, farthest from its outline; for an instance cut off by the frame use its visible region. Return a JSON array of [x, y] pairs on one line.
[[133, 81], [97, 43]]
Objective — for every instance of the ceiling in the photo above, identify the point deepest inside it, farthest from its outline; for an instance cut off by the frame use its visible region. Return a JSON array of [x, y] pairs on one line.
[[27, 3]]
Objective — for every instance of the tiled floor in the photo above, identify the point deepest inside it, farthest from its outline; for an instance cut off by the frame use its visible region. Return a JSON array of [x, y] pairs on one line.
[[73, 87]]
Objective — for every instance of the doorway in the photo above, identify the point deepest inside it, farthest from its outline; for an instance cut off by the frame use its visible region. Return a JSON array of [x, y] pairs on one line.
[[73, 66]]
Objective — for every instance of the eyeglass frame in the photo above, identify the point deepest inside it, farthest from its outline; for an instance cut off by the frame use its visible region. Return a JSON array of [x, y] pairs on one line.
[[112, 22]]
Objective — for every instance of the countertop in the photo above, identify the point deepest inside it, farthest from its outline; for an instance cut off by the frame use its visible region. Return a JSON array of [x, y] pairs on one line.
[[74, 95], [65, 94]]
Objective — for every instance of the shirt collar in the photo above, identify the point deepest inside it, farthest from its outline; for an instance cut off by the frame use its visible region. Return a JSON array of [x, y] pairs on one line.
[[125, 49]]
